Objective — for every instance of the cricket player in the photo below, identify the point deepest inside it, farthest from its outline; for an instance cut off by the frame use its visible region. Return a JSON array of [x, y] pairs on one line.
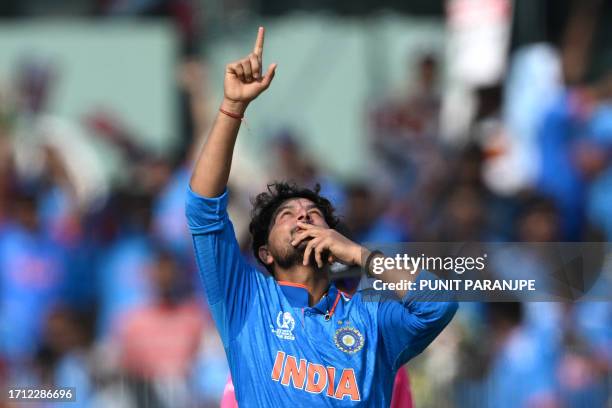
[[291, 337]]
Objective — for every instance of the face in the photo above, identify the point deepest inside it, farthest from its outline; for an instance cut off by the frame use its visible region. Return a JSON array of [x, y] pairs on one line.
[[283, 229]]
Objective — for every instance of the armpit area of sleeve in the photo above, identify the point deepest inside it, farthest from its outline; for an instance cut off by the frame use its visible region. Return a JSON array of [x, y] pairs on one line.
[[204, 214]]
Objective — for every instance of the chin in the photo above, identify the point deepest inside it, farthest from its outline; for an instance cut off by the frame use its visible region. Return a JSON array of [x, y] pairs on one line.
[[290, 256]]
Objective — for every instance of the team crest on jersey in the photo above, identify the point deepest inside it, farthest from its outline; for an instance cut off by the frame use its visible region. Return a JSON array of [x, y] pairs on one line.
[[285, 323], [348, 339]]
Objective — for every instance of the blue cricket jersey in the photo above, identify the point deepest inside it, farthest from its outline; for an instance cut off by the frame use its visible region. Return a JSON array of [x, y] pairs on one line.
[[280, 350]]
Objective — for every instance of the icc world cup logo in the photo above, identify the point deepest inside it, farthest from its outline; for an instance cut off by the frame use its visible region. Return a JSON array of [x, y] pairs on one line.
[[285, 323]]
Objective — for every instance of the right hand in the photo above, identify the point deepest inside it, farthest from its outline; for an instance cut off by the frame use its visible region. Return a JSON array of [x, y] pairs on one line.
[[243, 78]]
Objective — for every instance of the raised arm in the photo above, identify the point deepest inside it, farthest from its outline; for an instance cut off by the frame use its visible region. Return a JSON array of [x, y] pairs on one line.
[[243, 82]]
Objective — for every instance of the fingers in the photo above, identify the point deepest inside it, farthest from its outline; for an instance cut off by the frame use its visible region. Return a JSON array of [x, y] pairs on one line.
[[267, 79], [237, 69], [311, 245], [318, 245], [299, 237], [248, 71], [259, 43], [306, 226], [318, 254], [255, 66], [306, 233]]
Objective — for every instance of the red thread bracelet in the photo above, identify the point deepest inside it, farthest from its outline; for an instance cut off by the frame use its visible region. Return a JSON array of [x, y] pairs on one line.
[[230, 114]]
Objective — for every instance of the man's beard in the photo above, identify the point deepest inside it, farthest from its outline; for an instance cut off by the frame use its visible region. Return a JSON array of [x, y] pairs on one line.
[[290, 256]]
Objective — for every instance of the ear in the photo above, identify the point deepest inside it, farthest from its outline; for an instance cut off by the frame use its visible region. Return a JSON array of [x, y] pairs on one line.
[[265, 256]]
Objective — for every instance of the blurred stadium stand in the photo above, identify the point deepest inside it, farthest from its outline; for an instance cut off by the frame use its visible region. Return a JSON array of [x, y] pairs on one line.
[[102, 104]]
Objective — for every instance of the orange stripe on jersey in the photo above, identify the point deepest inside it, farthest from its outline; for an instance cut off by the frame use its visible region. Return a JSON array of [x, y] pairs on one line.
[[297, 285]]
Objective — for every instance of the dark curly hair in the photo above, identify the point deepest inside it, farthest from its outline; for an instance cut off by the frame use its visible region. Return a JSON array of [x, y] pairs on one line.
[[267, 203]]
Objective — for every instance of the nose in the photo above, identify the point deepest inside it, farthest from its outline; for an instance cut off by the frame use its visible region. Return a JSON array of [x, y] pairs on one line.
[[304, 216]]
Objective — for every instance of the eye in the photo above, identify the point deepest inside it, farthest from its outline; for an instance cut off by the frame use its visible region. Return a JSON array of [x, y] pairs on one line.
[[284, 214], [316, 211]]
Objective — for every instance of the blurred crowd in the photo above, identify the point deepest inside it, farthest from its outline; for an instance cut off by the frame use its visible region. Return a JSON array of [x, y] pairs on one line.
[[99, 289]]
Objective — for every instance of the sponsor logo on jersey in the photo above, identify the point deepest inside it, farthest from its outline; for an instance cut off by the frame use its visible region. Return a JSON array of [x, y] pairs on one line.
[[285, 323], [315, 378], [348, 339]]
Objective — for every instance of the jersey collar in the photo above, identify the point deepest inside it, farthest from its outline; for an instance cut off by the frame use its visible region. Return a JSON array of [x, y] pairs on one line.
[[297, 295]]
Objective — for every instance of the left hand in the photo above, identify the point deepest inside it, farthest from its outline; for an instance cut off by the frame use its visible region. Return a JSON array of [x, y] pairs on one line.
[[341, 249]]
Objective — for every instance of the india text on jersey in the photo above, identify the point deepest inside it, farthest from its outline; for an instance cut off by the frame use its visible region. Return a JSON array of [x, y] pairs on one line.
[[314, 378]]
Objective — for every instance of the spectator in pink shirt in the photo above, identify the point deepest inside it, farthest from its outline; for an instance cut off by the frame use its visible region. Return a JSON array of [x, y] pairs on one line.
[[158, 343]]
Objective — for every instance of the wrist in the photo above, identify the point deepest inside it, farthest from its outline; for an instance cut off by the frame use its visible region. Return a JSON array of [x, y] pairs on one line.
[[361, 256], [235, 107], [367, 259]]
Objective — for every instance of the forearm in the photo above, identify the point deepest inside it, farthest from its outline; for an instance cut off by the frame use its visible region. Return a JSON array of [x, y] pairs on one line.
[[242, 84], [212, 168]]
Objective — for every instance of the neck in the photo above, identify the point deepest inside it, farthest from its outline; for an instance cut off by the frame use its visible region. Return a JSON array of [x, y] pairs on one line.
[[314, 279]]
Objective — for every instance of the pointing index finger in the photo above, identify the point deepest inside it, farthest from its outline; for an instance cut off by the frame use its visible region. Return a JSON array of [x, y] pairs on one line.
[[259, 42]]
